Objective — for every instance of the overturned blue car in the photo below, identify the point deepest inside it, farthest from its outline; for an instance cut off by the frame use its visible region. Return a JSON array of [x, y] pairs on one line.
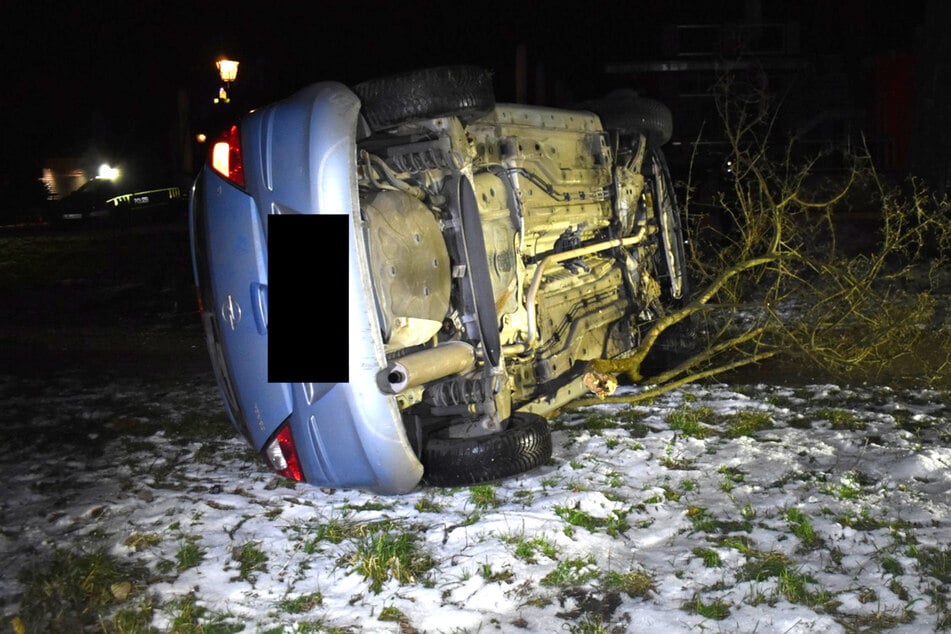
[[400, 280]]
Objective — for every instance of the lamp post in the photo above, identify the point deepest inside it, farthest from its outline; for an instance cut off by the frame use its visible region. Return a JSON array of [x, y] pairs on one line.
[[228, 70]]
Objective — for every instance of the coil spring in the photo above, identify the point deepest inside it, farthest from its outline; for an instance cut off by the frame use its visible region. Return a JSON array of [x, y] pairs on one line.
[[455, 391]]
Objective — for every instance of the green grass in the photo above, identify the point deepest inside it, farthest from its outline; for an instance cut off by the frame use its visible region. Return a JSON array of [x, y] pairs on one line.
[[571, 572], [528, 549], [189, 555], [715, 610], [731, 477], [428, 505], [634, 583], [892, 566], [251, 559], [801, 527], [313, 538], [491, 575], [793, 585], [141, 541], [747, 423], [483, 497], [385, 553], [190, 618], [710, 557], [764, 565], [863, 521], [132, 619], [391, 613], [614, 524], [588, 625], [597, 423], [935, 562], [302, 603], [690, 421], [841, 419], [70, 592], [703, 522], [369, 506], [849, 487], [631, 420]]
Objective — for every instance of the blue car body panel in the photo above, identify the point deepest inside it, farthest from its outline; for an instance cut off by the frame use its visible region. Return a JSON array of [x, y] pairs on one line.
[[299, 156]]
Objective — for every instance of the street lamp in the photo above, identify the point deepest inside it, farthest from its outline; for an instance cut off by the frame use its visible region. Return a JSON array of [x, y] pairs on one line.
[[228, 70]]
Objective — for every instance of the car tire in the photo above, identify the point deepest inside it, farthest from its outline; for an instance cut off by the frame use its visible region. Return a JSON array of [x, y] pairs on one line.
[[628, 113], [523, 445], [671, 253], [461, 91]]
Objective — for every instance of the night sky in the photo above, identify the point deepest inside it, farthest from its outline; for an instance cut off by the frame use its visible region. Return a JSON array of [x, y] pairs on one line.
[[106, 76]]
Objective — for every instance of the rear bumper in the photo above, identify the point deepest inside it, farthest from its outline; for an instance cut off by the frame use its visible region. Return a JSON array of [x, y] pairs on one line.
[[299, 157]]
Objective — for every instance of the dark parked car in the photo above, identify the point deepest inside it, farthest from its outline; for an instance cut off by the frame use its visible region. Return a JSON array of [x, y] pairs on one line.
[[491, 252], [121, 201]]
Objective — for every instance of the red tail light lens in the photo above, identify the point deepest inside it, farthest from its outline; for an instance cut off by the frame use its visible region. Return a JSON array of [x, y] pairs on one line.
[[281, 454], [226, 156]]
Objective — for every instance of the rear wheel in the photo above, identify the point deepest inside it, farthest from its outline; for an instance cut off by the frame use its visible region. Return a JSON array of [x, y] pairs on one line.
[[523, 445], [680, 340], [461, 91], [628, 113], [672, 264]]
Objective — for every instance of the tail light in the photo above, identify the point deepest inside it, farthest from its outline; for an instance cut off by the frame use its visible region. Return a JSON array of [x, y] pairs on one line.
[[226, 156], [281, 455]]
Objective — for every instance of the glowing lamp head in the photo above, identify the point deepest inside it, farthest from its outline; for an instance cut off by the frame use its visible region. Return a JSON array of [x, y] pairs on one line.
[[228, 69]]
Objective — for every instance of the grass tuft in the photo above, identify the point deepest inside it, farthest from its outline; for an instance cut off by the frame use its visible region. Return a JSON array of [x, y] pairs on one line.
[[251, 559], [190, 618], [302, 603], [528, 549], [716, 610], [842, 419], [936, 562], [703, 523], [505, 575], [710, 557], [690, 421], [634, 583], [483, 497], [428, 505], [747, 423], [189, 554], [571, 572], [384, 553], [71, 592], [802, 528], [613, 525]]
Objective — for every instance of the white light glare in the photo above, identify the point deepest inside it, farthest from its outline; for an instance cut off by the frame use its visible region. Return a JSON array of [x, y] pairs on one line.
[[108, 172]]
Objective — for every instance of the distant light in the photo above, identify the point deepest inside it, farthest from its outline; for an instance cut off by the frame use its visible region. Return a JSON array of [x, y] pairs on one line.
[[201, 137], [228, 69], [107, 172], [222, 96]]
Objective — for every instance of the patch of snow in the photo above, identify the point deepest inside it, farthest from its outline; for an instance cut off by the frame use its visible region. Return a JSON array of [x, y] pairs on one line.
[[100, 466]]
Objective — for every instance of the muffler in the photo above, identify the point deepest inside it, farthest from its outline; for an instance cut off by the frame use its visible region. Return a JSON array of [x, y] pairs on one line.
[[418, 368]]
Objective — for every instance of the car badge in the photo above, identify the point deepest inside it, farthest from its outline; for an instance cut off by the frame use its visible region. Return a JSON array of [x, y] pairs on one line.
[[231, 312]]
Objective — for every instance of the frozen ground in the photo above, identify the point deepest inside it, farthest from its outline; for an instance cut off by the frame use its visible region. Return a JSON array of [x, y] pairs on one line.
[[716, 508]]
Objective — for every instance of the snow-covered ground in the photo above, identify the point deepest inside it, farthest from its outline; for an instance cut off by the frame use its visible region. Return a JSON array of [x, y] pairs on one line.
[[715, 508]]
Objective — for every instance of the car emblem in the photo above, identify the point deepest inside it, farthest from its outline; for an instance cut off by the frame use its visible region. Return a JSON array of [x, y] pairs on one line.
[[231, 312]]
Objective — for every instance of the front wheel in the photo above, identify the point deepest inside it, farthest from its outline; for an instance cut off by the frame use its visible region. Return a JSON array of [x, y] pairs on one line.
[[461, 91], [523, 445]]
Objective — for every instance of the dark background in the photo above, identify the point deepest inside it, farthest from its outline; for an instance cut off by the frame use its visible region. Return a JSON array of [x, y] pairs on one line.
[[134, 80]]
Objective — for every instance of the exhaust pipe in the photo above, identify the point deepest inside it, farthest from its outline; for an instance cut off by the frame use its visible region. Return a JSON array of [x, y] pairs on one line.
[[453, 357]]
